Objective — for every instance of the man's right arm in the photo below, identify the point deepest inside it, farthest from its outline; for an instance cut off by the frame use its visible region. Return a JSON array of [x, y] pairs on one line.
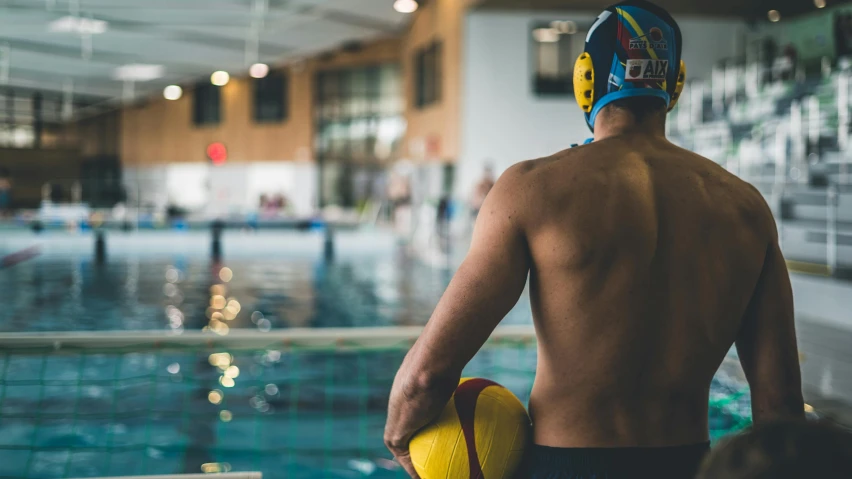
[[767, 343]]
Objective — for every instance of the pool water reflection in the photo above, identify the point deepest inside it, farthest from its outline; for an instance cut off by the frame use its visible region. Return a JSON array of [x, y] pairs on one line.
[[127, 294]]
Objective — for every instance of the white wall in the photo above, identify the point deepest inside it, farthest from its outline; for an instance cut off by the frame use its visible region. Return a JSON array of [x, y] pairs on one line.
[[502, 120], [222, 190]]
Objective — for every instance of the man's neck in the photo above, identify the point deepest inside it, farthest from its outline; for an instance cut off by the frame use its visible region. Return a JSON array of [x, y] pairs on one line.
[[618, 123]]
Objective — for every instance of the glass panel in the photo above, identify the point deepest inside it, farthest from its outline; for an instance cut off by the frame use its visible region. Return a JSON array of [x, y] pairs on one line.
[[357, 128]]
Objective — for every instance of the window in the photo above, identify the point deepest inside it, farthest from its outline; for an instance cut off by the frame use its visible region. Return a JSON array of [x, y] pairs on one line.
[[359, 129], [270, 98], [20, 113], [427, 75], [554, 54], [206, 104]]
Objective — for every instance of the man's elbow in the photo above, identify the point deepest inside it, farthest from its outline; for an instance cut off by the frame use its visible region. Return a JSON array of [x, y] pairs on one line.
[[427, 382]]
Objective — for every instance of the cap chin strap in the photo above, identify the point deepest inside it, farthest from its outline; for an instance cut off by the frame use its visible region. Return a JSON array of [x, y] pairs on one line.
[[617, 95]]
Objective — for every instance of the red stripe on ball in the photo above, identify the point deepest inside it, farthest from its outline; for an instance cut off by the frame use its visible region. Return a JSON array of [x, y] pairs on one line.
[[465, 401]]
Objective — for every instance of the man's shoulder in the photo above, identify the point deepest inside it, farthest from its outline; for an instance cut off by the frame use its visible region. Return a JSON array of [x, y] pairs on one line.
[[534, 169], [740, 188], [561, 173], [532, 175], [743, 197]]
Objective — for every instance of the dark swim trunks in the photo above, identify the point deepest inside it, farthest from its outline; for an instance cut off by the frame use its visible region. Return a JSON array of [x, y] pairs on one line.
[[679, 462]]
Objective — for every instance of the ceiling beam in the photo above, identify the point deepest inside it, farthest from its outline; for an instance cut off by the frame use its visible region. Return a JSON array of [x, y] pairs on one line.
[[112, 4], [157, 30], [99, 55], [192, 37], [356, 20], [48, 86]]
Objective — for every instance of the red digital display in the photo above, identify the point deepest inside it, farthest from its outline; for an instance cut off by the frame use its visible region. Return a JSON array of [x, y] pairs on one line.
[[217, 153]]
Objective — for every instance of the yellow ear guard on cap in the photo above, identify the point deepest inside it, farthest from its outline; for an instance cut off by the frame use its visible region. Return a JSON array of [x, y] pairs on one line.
[[681, 81], [584, 82]]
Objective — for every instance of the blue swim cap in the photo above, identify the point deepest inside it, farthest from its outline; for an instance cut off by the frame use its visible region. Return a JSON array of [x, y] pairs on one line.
[[632, 49]]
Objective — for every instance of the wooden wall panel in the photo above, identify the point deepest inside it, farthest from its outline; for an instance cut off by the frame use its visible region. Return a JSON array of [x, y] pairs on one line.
[[161, 131], [433, 132]]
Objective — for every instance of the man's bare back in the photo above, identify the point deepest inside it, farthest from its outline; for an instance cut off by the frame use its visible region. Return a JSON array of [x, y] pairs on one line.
[[644, 258], [646, 263]]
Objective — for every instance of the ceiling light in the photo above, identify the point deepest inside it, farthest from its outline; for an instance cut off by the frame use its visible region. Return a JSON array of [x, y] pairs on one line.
[[81, 25], [259, 70], [220, 78], [819, 3], [546, 35], [173, 92], [774, 15], [138, 72], [405, 6]]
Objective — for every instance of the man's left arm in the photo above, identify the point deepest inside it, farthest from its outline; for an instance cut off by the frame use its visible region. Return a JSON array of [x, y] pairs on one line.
[[486, 286]]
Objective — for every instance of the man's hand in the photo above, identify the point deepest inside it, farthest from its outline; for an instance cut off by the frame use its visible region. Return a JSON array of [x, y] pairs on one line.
[[411, 407], [397, 444], [398, 430]]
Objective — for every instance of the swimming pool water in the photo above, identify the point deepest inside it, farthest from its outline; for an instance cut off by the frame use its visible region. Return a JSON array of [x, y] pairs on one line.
[[292, 414], [300, 415]]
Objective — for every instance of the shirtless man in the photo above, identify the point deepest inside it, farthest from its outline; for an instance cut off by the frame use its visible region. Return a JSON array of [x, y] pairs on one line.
[[646, 262]]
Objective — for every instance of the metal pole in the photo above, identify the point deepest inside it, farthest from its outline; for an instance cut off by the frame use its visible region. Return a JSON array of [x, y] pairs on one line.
[[797, 137], [86, 46], [216, 244], [67, 99], [780, 181], [831, 229], [813, 125], [328, 245], [38, 119], [843, 109], [779, 219], [717, 89], [5, 62], [10, 108], [100, 246], [128, 91]]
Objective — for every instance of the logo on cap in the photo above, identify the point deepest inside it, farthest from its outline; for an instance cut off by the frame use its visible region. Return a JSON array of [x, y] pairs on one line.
[[646, 70], [653, 39]]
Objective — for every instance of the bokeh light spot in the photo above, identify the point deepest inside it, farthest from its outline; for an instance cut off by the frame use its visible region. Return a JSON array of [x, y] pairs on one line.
[[225, 274]]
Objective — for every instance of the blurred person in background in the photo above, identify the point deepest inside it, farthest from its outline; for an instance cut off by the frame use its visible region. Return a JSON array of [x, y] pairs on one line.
[[783, 450], [280, 203], [51, 193], [480, 191], [789, 62], [270, 207], [5, 191], [646, 263], [399, 197]]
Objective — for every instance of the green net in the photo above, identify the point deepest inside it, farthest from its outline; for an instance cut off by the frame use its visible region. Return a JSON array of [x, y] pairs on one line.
[[294, 408]]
